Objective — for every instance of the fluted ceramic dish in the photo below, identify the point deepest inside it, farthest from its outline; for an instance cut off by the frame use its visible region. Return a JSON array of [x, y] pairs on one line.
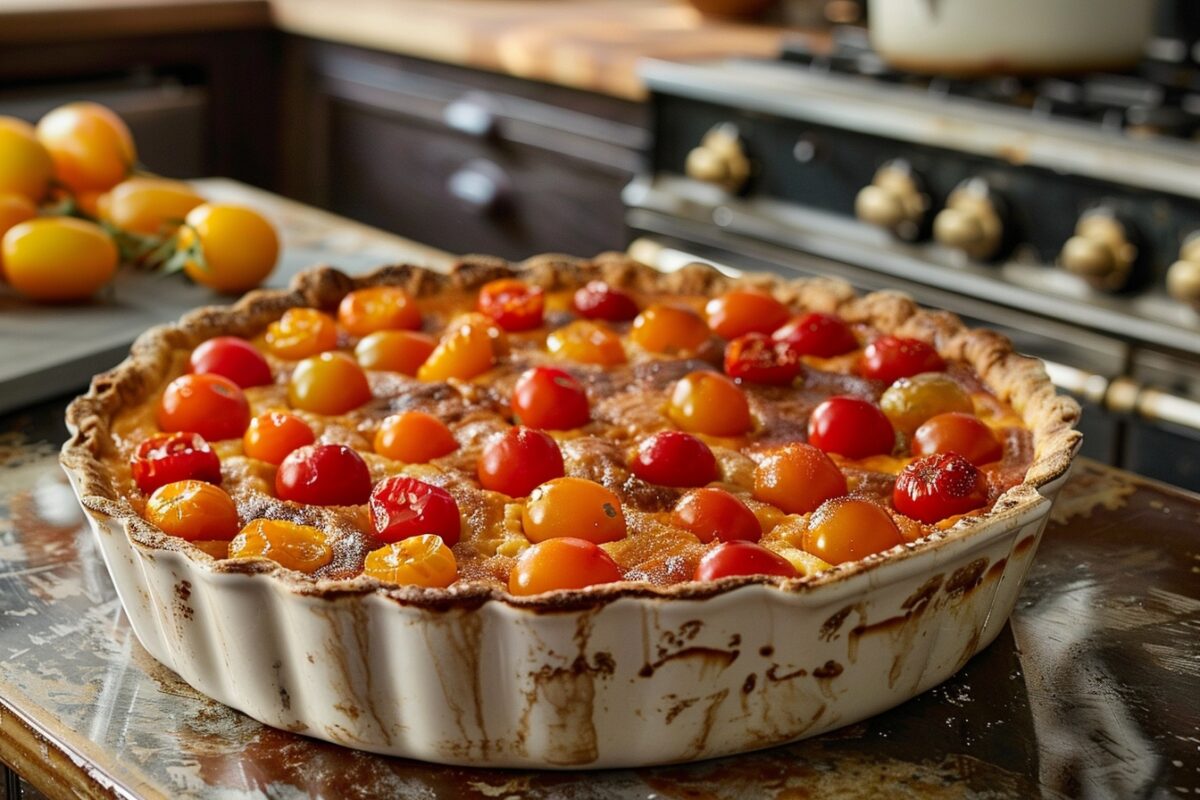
[[611, 676]]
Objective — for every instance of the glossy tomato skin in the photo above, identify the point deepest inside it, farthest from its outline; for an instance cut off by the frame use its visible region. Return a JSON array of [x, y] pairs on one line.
[[674, 458], [519, 461], [852, 427], [715, 514], [240, 247], [424, 560], [323, 475], [515, 305], [274, 434], [817, 334], [149, 206], [300, 333], [414, 437], [742, 311], [193, 510], [233, 358], [25, 164], [961, 433], [328, 383], [169, 457], [402, 507], [935, 487], [708, 402], [573, 507], [378, 308], [729, 559], [797, 478], [757, 358], [91, 146], [665, 328], [58, 259], [210, 405], [848, 529], [397, 351], [551, 398], [890, 358], [598, 300], [14, 209], [303, 548], [561, 563]]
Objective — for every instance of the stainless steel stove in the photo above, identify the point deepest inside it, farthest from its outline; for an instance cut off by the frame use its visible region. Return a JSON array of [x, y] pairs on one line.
[[1063, 211]]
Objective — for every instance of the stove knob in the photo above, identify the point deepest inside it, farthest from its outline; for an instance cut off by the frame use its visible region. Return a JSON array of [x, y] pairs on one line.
[[720, 159], [1183, 277], [971, 221], [1100, 251], [894, 201]]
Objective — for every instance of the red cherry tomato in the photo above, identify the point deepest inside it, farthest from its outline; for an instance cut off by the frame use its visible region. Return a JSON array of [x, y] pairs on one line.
[[323, 475], [169, 457], [561, 563], [519, 461], [739, 312], [742, 558], [817, 334], [958, 432], [513, 304], [712, 513], [939, 486], [209, 405], [548, 397], [891, 358], [598, 300], [674, 458], [851, 427], [756, 358], [402, 507], [233, 358]]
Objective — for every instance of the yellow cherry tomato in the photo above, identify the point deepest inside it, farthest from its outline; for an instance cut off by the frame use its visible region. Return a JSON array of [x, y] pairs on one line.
[[423, 560], [91, 146], [295, 546], [14, 209], [193, 510], [147, 205], [237, 247], [58, 258], [25, 166]]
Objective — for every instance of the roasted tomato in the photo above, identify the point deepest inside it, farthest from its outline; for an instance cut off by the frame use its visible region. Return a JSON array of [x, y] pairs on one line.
[[757, 358], [797, 478], [890, 358], [573, 507], [402, 507], [817, 334], [423, 560], [300, 333], [193, 510], [742, 558], [378, 308], [414, 437], [674, 458], [328, 383], [910, 401], [170, 457], [396, 351], [514, 305], [964, 434], [598, 300], [669, 329], [290, 544], [518, 461], [323, 475], [209, 405], [587, 342], [742, 311], [939, 486], [707, 402], [713, 513], [274, 434], [849, 528], [851, 427], [467, 349], [232, 358], [561, 563], [547, 397]]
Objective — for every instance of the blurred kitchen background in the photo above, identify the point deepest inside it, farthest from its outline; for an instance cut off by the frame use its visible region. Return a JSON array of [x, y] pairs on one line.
[[1030, 164]]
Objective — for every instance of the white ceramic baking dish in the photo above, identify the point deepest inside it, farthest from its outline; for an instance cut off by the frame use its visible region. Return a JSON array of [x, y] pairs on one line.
[[614, 676]]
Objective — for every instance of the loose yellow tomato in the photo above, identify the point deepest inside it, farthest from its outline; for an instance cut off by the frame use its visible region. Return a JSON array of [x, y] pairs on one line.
[[378, 308], [587, 342], [708, 402], [146, 205], [299, 547], [90, 145], [14, 209], [237, 248], [573, 507], [329, 383], [25, 166], [58, 258], [301, 332], [423, 560], [193, 510]]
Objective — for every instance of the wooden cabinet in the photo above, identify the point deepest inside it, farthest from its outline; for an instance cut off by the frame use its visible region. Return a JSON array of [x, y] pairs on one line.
[[462, 160]]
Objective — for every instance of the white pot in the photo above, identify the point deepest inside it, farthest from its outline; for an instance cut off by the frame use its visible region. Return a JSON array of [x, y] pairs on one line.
[[974, 37]]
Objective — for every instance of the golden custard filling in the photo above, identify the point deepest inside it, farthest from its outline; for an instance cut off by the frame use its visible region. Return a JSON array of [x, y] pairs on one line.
[[535, 440]]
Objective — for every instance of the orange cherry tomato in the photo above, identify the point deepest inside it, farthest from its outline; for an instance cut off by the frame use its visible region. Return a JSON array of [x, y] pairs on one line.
[[713, 513], [57, 259], [193, 510], [14, 209], [669, 329], [271, 436], [235, 247], [299, 547], [25, 164], [394, 351], [378, 308], [960, 433], [210, 405], [301, 332], [849, 528], [708, 402], [513, 304], [150, 206], [742, 311], [910, 401], [563, 563], [91, 146], [467, 349], [587, 342], [328, 383], [797, 478], [423, 560], [573, 507], [414, 437]]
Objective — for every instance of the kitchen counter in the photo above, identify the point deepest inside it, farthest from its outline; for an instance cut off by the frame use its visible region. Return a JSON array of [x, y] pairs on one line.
[[586, 44], [1090, 691]]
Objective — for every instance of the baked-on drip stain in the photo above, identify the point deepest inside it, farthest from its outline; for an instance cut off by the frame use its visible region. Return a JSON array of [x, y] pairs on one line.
[[707, 655], [831, 626], [965, 579]]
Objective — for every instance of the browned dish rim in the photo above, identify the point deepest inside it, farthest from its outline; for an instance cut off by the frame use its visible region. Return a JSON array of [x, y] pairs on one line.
[[1020, 381]]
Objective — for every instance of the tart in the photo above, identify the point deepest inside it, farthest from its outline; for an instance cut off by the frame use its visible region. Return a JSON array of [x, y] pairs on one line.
[[580, 437]]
